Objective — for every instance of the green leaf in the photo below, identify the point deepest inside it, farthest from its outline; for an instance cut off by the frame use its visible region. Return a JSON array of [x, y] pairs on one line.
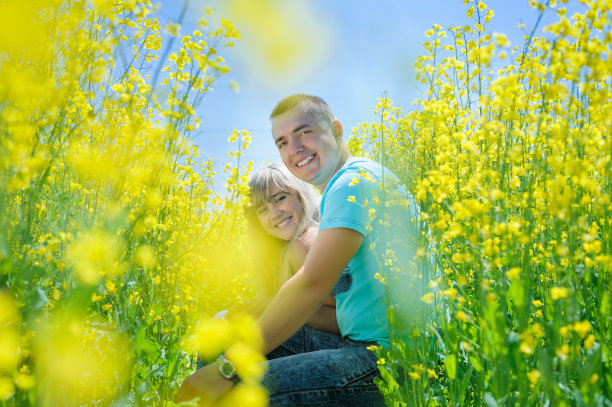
[[450, 365], [490, 400], [146, 347]]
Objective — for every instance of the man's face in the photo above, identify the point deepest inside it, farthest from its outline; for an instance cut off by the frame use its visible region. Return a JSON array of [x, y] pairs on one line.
[[307, 146]]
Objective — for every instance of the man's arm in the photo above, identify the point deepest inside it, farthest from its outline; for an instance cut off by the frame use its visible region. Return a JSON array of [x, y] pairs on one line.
[[301, 296], [325, 318]]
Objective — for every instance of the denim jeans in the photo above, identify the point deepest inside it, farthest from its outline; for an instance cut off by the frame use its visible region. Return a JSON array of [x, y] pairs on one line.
[[315, 368]]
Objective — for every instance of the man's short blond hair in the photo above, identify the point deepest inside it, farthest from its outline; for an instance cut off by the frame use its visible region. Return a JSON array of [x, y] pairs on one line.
[[314, 105]]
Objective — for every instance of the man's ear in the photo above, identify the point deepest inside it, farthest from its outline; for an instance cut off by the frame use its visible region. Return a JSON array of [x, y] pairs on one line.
[[337, 129]]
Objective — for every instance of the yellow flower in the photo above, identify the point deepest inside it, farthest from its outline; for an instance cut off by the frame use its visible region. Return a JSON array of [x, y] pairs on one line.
[[24, 381], [9, 336], [557, 293], [582, 328], [534, 376], [174, 29], [246, 394], [525, 348], [7, 388], [380, 278], [250, 364], [513, 273], [95, 254], [450, 293], [354, 181], [463, 316], [563, 351], [111, 288], [589, 342], [68, 350], [428, 298], [414, 375], [564, 332], [145, 256], [351, 198], [210, 338]]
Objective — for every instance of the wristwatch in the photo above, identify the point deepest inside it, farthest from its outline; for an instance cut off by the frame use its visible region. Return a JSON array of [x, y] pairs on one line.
[[226, 367]]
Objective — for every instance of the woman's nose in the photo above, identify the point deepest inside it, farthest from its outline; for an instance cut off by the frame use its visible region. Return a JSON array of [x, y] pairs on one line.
[[276, 212]]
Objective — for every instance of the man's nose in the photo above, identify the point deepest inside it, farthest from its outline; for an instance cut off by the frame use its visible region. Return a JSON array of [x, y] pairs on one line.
[[295, 146]]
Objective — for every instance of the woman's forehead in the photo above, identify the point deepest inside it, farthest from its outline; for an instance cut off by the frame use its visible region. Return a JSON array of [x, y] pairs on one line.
[[274, 189]]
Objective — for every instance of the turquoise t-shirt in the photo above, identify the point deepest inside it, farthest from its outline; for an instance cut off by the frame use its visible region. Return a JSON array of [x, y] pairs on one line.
[[356, 198]]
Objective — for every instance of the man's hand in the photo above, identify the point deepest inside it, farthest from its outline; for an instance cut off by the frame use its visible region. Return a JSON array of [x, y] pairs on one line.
[[205, 383]]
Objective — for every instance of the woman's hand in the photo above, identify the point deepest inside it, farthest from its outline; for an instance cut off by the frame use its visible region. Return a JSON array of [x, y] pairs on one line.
[[254, 307], [205, 383]]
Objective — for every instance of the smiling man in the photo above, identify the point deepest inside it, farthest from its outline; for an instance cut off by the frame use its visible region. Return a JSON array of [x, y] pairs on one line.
[[348, 257]]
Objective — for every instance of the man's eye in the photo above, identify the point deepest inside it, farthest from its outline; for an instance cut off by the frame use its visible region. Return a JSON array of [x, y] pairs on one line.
[[281, 145]]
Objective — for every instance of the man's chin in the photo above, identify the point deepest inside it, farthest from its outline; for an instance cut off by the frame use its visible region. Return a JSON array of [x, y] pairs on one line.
[[301, 174]]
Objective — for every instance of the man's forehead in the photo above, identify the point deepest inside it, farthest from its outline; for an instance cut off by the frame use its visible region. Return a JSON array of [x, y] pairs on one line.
[[293, 120]]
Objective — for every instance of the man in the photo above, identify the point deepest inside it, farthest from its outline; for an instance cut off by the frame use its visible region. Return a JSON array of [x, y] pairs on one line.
[[346, 257]]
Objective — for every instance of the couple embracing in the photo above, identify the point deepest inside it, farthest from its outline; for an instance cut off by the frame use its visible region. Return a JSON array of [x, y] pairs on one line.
[[331, 306]]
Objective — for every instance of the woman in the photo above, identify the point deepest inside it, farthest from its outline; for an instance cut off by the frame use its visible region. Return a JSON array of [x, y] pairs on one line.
[[283, 221]]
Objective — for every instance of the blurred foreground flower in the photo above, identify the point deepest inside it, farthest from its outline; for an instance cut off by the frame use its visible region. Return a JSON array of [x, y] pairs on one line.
[[277, 36], [9, 340], [78, 363], [94, 255]]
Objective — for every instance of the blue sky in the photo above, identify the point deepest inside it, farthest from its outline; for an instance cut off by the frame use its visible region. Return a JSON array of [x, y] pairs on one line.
[[352, 52]]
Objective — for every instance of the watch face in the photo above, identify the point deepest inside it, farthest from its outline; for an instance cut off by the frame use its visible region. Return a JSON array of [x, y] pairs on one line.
[[226, 368]]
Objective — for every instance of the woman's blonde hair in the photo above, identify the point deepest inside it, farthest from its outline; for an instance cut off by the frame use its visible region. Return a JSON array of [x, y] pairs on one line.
[[269, 255]]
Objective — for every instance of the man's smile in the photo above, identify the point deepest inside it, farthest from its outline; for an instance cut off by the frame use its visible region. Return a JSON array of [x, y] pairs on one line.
[[305, 161]]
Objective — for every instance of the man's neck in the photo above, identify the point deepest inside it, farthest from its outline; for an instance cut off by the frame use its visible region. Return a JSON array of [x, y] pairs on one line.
[[345, 155]]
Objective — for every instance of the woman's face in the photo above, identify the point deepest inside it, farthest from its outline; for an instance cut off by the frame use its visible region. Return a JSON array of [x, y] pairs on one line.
[[281, 216]]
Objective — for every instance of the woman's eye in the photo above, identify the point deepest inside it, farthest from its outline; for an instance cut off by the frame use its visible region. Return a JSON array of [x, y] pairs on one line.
[[261, 210], [280, 199]]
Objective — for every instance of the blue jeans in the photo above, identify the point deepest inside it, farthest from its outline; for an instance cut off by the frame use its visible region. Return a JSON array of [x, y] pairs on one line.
[[315, 368]]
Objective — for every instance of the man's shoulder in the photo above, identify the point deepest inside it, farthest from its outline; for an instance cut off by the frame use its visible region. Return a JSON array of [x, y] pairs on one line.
[[355, 168], [372, 173]]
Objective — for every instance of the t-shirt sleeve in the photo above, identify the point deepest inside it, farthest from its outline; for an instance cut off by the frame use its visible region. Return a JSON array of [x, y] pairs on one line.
[[346, 204]]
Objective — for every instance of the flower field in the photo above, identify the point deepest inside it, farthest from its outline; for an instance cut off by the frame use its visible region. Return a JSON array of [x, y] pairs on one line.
[[509, 156], [117, 247]]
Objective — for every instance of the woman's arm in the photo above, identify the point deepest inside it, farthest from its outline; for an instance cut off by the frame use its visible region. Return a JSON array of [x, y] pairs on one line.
[[254, 307]]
